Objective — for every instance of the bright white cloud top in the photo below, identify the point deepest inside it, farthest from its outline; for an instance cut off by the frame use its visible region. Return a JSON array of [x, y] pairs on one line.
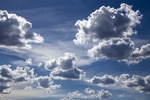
[[101, 57], [15, 31]]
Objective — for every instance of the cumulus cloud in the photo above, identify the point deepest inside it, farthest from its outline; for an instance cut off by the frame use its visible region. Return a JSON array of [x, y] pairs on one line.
[[102, 94], [64, 67], [45, 82], [113, 29], [103, 80], [9, 76], [116, 49], [2, 98], [23, 62], [88, 94], [15, 31], [107, 22], [137, 82], [140, 53]]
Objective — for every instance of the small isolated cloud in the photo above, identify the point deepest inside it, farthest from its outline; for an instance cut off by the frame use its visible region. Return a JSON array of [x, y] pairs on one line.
[[45, 82], [116, 49], [64, 67], [72, 73], [15, 31], [107, 22], [103, 80]]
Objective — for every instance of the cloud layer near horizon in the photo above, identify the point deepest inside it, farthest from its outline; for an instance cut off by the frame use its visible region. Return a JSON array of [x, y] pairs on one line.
[[137, 82]]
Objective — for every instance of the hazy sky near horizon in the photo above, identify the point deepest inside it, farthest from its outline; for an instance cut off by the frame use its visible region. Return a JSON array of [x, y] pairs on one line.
[[74, 50]]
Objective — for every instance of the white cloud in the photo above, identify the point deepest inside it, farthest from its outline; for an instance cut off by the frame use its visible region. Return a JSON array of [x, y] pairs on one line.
[[9, 76], [102, 94], [107, 22], [137, 82], [15, 31], [45, 82], [22, 62], [113, 29], [103, 80], [64, 67], [116, 49], [88, 94]]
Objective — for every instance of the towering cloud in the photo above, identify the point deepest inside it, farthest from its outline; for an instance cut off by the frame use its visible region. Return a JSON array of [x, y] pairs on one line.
[[107, 22], [15, 31], [113, 29]]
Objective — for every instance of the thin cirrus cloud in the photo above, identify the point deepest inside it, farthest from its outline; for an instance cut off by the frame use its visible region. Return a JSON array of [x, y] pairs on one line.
[[15, 31], [64, 67], [113, 29]]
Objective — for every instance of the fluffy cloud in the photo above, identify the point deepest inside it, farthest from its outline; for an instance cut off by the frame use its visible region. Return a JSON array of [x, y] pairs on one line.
[[107, 22], [139, 83], [64, 67], [65, 62], [15, 31], [116, 49], [89, 94], [102, 94], [112, 28], [140, 53], [9, 77], [2, 98], [45, 82], [72, 73], [103, 80]]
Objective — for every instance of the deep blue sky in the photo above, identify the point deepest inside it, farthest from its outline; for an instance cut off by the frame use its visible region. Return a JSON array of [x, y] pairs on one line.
[[54, 20]]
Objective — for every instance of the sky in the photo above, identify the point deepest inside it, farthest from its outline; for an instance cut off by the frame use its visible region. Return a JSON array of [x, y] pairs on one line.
[[74, 50]]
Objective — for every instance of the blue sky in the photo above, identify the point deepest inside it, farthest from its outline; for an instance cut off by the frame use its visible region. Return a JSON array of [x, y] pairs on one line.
[[74, 50]]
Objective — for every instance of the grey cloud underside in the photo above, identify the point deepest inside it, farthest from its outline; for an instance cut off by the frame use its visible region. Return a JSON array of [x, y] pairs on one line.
[[139, 83], [117, 49], [8, 77], [64, 67], [104, 80], [107, 22], [112, 28], [73, 73], [15, 31]]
